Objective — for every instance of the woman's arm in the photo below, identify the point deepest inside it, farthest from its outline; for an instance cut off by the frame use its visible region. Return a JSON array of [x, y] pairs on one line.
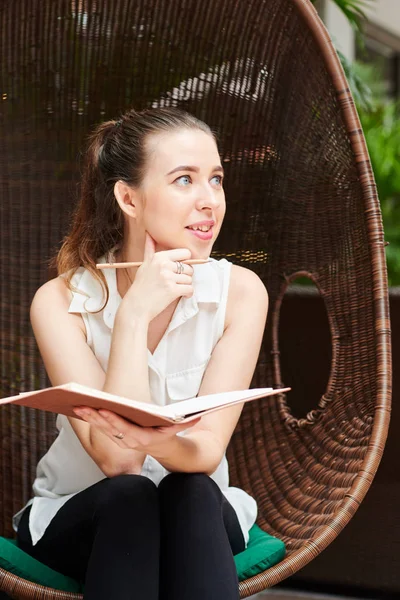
[[231, 367], [61, 338]]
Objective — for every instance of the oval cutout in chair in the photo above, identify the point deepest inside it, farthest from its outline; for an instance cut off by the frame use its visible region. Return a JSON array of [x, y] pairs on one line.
[[303, 336]]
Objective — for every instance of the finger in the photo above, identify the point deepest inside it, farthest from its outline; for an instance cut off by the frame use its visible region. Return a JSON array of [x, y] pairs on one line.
[[187, 269], [92, 417], [149, 247], [178, 254], [186, 290], [90, 414], [116, 421], [85, 412], [117, 425], [183, 279]]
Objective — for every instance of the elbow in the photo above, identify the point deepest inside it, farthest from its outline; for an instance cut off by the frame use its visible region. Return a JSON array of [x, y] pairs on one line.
[[121, 465], [205, 466], [214, 462], [214, 456], [199, 452], [112, 468], [212, 468], [109, 469]]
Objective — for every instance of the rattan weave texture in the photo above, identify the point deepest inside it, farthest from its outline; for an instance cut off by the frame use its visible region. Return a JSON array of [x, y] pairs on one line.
[[301, 201]]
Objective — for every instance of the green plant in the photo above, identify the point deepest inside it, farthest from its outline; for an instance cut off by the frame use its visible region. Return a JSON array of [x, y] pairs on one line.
[[359, 82], [354, 11], [382, 133], [381, 125], [380, 120]]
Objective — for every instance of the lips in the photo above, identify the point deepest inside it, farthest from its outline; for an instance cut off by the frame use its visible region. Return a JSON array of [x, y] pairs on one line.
[[209, 223], [203, 229], [202, 235]]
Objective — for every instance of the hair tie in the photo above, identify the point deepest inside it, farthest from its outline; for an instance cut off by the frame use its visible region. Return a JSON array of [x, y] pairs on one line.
[[118, 123]]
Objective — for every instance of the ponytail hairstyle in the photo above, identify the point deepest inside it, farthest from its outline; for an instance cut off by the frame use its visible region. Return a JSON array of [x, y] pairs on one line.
[[116, 151]]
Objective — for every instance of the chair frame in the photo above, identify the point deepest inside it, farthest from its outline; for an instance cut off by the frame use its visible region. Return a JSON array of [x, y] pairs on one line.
[[21, 589]]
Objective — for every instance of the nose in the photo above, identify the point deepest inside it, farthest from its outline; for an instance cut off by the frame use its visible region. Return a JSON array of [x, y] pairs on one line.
[[207, 197]]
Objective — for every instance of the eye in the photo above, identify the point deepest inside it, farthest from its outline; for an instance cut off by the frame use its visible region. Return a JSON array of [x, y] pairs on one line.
[[217, 180], [183, 180]]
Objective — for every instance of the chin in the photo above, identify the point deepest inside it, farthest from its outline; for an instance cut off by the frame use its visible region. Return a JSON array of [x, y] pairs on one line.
[[200, 249]]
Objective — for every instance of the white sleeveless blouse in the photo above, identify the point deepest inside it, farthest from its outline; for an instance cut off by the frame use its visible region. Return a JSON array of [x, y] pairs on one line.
[[176, 369]]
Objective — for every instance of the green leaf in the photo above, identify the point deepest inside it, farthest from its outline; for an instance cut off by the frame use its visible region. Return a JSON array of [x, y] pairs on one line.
[[382, 133], [354, 11], [360, 89]]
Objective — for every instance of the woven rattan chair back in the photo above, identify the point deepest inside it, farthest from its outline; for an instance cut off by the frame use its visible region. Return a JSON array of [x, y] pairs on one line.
[[301, 201]]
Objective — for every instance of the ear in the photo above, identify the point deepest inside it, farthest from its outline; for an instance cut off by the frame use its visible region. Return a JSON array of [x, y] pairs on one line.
[[127, 198]]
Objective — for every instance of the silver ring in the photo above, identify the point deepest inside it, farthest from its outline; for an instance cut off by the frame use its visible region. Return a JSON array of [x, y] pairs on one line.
[[120, 436], [180, 267]]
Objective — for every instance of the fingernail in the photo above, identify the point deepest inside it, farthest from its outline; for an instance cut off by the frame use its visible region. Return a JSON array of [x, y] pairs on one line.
[[81, 411]]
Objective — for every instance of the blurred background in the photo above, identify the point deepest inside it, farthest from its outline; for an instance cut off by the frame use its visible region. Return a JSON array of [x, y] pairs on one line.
[[367, 35]]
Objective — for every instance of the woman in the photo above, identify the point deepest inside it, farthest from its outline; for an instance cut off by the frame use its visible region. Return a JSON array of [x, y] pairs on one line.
[[145, 513]]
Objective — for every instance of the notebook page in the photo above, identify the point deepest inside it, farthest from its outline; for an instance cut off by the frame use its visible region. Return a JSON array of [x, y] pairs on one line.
[[113, 398], [194, 405]]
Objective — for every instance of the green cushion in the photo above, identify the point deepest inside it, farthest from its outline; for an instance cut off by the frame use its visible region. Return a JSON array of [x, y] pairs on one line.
[[262, 552], [16, 561]]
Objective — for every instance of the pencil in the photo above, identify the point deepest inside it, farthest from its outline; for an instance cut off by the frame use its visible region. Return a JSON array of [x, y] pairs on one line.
[[120, 265]]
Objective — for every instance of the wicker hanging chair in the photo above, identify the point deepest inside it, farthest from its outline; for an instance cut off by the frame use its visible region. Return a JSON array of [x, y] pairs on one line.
[[301, 202]]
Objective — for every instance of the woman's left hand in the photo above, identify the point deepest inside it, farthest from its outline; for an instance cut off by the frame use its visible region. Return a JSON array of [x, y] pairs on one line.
[[126, 434]]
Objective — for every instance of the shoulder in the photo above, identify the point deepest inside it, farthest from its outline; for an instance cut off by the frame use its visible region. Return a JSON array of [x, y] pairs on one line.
[[246, 291], [245, 284], [58, 291], [54, 290], [51, 302]]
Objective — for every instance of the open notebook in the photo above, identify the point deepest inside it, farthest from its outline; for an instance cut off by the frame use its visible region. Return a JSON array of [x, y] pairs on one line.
[[62, 398]]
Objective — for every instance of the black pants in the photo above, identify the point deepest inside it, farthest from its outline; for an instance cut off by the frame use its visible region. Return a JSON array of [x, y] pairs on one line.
[[129, 540]]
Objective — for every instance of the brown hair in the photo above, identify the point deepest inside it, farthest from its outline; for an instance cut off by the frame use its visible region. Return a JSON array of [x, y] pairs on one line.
[[115, 152]]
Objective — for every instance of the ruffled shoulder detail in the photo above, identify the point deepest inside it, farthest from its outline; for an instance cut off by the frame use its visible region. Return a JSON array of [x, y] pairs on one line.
[[88, 294]]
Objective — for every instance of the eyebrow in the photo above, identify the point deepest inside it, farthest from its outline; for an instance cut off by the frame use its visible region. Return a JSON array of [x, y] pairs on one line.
[[194, 169]]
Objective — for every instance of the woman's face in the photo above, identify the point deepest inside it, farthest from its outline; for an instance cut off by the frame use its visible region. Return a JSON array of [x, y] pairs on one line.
[[182, 190]]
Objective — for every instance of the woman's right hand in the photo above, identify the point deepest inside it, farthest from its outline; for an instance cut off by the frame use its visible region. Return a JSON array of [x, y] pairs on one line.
[[157, 284]]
